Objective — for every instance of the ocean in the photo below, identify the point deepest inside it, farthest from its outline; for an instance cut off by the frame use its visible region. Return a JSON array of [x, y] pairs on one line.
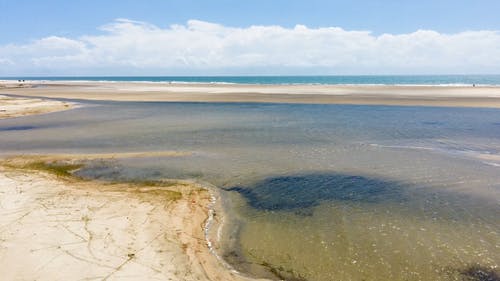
[[443, 80], [311, 191]]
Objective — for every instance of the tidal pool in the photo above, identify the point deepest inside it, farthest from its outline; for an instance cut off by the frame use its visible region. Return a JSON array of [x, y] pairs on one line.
[[312, 192]]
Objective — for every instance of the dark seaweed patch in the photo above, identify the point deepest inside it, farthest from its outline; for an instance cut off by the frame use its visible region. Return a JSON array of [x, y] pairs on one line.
[[282, 273], [304, 191], [18, 128], [477, 272], [432, 123]]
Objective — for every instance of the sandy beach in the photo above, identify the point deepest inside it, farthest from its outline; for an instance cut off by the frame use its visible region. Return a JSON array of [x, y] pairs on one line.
[[259, 141], [55, 226], [457, 96]]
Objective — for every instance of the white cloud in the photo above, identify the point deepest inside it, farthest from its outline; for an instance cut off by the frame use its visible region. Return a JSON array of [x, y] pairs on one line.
[[132, 47]]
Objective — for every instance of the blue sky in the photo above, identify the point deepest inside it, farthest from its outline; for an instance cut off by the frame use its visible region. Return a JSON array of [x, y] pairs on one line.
[[211, 37], [23, 20]]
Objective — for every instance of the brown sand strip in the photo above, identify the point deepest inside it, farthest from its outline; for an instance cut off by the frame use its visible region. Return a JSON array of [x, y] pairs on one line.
[[462, 96]]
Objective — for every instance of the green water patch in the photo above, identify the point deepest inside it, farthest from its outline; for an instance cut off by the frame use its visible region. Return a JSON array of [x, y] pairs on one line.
[[342, 241], [118, 170], [363, 228]]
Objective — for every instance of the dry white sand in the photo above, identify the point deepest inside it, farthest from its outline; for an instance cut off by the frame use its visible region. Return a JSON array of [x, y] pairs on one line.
[[18, 106]]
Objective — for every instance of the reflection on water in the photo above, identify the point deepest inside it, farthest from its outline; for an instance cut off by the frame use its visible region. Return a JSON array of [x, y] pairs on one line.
[[314, 192]]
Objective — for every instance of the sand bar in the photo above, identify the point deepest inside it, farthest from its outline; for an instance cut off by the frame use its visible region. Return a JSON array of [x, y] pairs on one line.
[[54, 227], [480, 96], [17, 106], [18, 159]]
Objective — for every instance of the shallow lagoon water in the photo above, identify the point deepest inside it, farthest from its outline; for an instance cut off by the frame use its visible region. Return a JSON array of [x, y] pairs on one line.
[[313, 192]]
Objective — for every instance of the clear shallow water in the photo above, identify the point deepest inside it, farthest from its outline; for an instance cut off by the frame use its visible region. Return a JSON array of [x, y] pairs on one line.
[[314, 192], [344, 79]]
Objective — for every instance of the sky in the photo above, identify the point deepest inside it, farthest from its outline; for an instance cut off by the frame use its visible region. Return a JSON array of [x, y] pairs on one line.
[[223, 37]]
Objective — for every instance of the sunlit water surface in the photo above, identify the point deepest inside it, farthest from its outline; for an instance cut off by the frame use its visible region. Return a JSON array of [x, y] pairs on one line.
[[313, 192]]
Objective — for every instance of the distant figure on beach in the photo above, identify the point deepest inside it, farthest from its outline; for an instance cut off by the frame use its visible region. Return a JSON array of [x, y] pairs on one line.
[[473, 85]]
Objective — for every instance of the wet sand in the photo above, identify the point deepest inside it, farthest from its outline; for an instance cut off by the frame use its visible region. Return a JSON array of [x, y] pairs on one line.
[[461, 96], [55, 226]]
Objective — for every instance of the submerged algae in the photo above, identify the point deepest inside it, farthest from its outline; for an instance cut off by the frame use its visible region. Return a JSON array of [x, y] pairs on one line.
[[67, 170], [56, 168], [477, 272], [308, 190]]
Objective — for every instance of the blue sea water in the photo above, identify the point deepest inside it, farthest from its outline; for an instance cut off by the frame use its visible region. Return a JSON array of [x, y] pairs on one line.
[[334, 80]]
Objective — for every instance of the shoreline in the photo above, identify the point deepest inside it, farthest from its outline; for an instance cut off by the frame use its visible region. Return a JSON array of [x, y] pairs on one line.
[[178, 216], [453, 96], [12, 83]]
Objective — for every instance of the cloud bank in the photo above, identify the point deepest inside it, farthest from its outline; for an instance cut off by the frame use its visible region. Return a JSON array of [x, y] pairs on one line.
[[126, 47]]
